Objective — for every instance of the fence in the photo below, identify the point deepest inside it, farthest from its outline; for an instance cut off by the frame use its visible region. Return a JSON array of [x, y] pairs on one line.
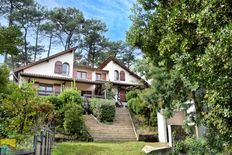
[[42, 145]]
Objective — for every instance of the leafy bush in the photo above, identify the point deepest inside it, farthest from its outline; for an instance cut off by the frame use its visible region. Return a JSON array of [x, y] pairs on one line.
[[192, 146], [131, 94], [141, 102], [73, 121], [103, 109], [71, 96], [55, 100], [24, 111]]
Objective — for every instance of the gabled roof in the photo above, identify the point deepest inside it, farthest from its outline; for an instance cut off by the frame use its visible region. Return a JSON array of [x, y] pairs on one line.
[[102, 65], [45, 59]]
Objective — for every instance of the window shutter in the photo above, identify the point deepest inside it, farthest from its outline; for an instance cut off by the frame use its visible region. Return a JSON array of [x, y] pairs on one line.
[[58, 67], [89, 75], [103, 76], [57, 88], [122, 76]]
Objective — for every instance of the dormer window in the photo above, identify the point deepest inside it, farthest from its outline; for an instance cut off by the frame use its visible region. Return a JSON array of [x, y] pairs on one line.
[[65, 69], [116, 75], [122, 76], [58, 67]]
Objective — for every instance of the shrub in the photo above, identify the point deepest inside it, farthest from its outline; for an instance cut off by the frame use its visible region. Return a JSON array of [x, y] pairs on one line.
[[73, 121], [137, 105], [131, 95], [192, 146], [71, 96], [103, 109], [55, 100]]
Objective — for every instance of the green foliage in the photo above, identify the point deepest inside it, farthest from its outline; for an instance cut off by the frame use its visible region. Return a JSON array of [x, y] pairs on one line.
[[70, 96], [192, 146], [103, 109], [73, 120], [55, 100], [108, 88], [23, 111], [4, 74], [10, 38], [69, 23], [141, 102], [131, 94], [68, 112], [189, 46]]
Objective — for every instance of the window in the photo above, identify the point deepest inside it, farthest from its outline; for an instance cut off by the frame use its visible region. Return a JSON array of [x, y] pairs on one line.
[[65, 68], [82, 75], [122, 76], [86, 93], [116, 75], [45, 89], [98, 76], [58, 67]]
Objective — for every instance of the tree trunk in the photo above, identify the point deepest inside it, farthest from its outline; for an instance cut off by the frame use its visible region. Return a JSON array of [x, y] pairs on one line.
[[89, 55], [67, 44], [93, 60], [12, 61], [50, 44], [25, 46], [11, 11], [36, 41], [5, 57]]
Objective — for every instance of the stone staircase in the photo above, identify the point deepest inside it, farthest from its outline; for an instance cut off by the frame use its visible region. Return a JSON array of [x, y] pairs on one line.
[[120, 130]]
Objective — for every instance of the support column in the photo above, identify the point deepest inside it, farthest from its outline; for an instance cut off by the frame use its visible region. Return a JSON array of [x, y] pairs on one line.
[[162, 128], [170, 135]]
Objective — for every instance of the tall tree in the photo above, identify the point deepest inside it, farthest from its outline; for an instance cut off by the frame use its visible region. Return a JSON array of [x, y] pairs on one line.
[[38, 18], [7, 7], [49, 29], [128, 55], [24, 19], [93, 41], [69, 22], [10, 39], [190, 42]]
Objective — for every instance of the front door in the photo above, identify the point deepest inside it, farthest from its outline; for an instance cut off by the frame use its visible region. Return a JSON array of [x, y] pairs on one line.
[[122, 95]]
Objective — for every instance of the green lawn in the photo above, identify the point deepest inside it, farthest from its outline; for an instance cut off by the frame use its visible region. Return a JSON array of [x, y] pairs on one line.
[[101, 148]]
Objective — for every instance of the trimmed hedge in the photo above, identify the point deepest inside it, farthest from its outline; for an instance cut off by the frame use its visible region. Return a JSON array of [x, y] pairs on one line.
[[103, 109]]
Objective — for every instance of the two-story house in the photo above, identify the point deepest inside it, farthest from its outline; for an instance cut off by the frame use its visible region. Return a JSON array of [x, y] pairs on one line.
[[55, 72]]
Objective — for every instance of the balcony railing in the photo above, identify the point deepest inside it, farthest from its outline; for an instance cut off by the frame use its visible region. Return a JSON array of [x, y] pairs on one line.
[[93, 96]]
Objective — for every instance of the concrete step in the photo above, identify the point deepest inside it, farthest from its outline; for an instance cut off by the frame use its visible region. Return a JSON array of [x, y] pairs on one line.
[[120, 130]]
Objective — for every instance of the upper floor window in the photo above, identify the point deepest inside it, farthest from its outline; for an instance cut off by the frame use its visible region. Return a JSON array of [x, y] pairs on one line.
[[116, 75], [98, 76], [65, 69], [122, 76], [58, 67], [81, 75]]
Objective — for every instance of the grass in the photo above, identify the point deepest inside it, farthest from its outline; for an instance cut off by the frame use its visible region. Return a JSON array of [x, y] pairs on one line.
[[102, 148]]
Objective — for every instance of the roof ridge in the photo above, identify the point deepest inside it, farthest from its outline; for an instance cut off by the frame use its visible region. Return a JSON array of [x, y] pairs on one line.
[[45, 59]]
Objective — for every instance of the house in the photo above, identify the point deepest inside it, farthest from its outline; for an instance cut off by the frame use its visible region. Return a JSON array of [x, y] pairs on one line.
[[55, 72]]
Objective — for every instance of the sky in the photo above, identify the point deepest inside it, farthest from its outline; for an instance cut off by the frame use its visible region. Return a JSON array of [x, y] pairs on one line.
[[114, 13]]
